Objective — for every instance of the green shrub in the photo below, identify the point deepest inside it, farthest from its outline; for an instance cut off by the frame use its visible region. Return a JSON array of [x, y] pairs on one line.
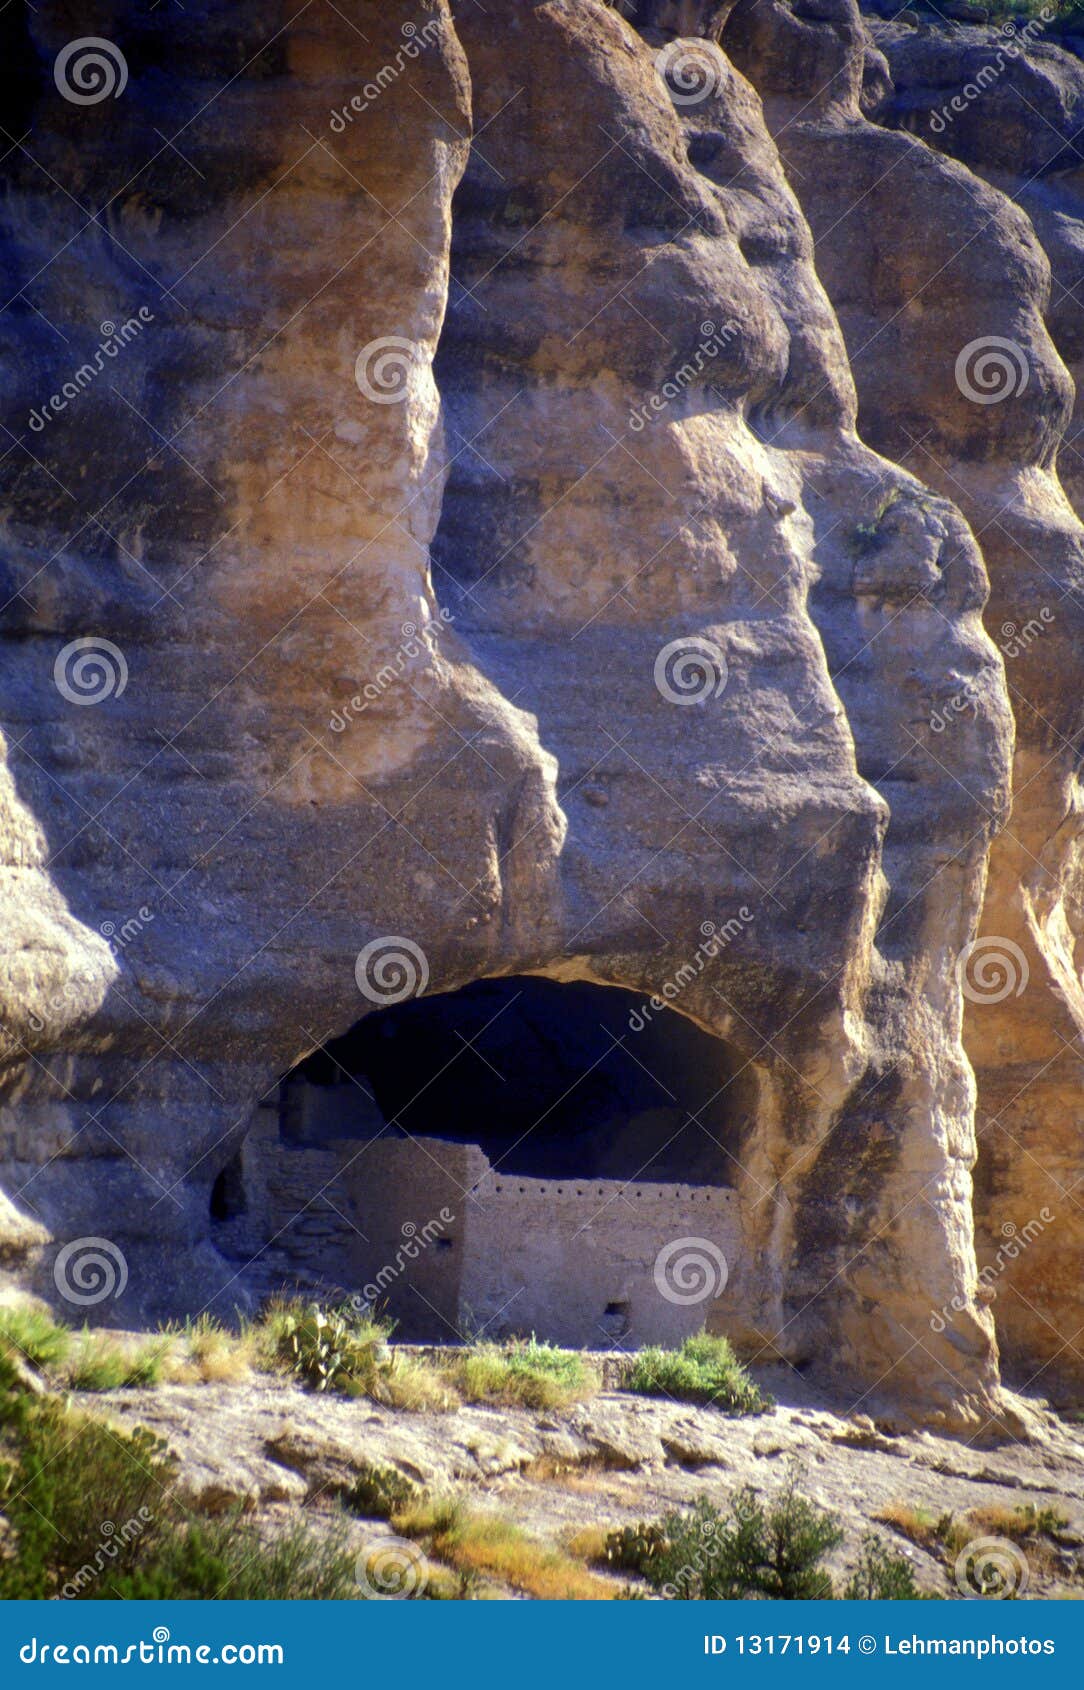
[[881, 1576], [340, 1349], [752, 1550], [91, 1512], [704, 1370], [101, 1365], [331, 1349], [227, 1558], [69, 1485], [773, 1551], [35, 1335], [522, 1374], [379, 1491]]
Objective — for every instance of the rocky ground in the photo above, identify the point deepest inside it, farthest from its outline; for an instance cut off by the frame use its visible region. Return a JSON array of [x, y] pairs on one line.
[[274, 1448]]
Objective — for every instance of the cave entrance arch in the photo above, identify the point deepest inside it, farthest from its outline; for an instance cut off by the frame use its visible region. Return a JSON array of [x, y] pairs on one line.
[[516, 1156]]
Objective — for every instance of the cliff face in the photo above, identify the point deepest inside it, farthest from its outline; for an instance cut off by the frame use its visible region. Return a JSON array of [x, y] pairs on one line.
[[1008, 105], [535, 518]]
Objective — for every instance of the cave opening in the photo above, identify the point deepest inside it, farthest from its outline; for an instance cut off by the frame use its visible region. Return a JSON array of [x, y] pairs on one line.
[[550, 1080], [510, 1158]]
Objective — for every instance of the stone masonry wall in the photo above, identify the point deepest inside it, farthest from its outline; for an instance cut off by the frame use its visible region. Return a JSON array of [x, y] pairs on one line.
[[426, 1231]]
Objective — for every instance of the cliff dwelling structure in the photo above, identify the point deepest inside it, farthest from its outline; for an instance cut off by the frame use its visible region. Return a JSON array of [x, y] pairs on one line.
[[520, 516], [522, 1156]]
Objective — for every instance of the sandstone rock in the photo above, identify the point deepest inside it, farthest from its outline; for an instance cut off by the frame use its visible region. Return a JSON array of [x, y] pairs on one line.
[[425, 452], [955, 338]]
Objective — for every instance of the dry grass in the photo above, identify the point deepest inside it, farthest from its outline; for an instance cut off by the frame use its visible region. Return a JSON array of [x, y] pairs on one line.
[[588, 1543], [203, 1351], [946, 1536], [1022, 1521], [918, 1525], [220, 1357], [101, 1363], [1032, 1529], [488, 1547], [415, 1386], [499, 1550], [595, 1475]]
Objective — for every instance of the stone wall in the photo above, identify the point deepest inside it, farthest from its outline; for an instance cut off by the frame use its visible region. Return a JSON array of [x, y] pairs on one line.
[[426, 1230], [590, 1264]]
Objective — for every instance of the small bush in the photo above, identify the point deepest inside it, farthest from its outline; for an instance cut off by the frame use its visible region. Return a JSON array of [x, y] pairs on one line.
[[486, 1546], [91, 1512], [704, 1370], [379, 1491], [949, 1535], [631, 1549], [217, 1559], [522, 1374], [431, 1517], [102, 1365], [70, 1486], [881, 1576], [753, 1550], [341, 1349], [331, 1349], [772, 1551], [216, 1355], [35, 1335]]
